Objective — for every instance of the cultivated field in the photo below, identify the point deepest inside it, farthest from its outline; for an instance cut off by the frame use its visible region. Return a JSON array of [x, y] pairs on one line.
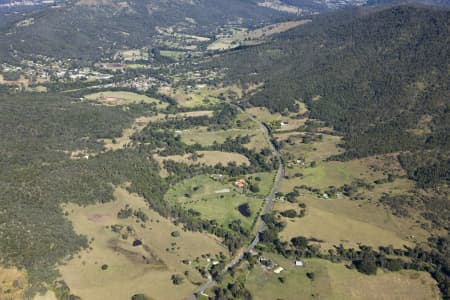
[[130, 270], [115, 98]]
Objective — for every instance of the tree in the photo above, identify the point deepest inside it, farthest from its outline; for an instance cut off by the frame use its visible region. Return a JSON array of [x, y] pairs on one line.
[[177, 279], [367, 264], [299, 242], [290, 213], [254, 188], [139, 297]]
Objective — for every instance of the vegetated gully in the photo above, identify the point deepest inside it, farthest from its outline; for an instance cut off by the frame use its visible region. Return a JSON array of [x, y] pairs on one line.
[[267, 206]]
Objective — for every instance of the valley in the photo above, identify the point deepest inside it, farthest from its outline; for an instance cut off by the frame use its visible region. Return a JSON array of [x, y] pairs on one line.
[[261, 150]]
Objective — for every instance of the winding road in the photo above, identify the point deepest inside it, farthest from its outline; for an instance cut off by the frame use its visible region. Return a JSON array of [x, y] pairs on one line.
[[267, 206]]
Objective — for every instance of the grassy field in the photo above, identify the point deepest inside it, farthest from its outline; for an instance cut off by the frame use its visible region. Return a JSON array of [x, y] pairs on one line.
[[208, 197], [315, 151], [198, 97], [241, 36], [265, 183], [266, 116], [22, 81], [335, 281], [350, 222], [342, 220], [332, 173], [37, 89], [175, 55], [206, 138], [132, 55], [144, 269], [113, 98]]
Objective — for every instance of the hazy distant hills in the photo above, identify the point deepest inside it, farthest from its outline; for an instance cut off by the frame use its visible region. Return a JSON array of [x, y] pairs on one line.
[[90, 28]]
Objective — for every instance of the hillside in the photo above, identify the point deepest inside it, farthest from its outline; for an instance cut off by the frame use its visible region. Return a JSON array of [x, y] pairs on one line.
[[380, 77]]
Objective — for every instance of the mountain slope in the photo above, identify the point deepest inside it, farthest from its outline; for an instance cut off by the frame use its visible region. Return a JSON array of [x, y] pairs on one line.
[[380, 77]]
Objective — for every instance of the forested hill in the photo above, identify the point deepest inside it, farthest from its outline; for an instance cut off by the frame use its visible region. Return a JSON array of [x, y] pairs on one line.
[[89, 28], [380, 77]]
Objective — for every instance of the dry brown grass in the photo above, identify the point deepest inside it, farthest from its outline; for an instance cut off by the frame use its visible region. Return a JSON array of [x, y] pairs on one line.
[[12, 283], [315, 151], [49, 295], [22, 82], [350, 222], [335, 282], [116, 98], [145, 269]]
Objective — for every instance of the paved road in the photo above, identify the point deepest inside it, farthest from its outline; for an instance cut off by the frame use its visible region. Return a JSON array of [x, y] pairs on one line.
[[267, 205]]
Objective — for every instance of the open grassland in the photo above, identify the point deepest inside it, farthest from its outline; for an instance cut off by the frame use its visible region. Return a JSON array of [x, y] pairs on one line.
[[242, 36], [12, 283], [258, 141], [314, 151], [350, 222], [325, 174], [337, 173], [197, 113], [335, 281], [214, 199], [173, 54], [264, 181], [264, 115], [206, 138], [22, 81], [132, 54], [37, 89], [48, 295], [337, 221], [115, 98], [197, 97], [130, 270]]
